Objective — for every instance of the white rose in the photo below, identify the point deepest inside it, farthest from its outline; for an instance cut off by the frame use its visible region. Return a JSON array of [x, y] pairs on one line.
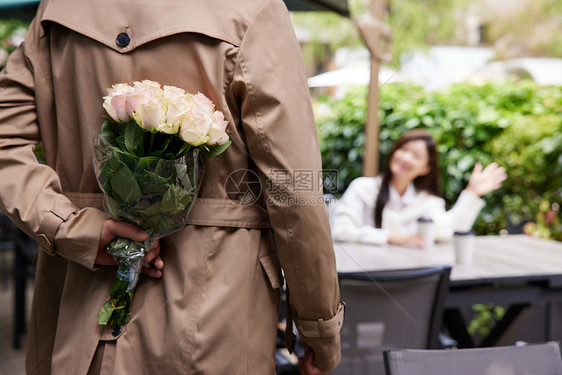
[[217, 136], [148, 88], [177, 109], [173, 92], [150, 116], [115, 103], [219, 119], [169, 128], [204, 103], [203, 121], [116, 107], [191, 133], [118, 89], [134, 101]]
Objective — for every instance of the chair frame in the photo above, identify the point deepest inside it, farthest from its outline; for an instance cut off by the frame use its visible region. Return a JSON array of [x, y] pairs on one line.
[[436, 316], [430, 354]]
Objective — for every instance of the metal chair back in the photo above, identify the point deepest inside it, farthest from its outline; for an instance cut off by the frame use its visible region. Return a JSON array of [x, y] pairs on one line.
[[536, 359], [389, 309]]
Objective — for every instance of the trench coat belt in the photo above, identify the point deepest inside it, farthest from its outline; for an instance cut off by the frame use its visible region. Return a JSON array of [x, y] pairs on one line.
[[219, 212], [214, 212]]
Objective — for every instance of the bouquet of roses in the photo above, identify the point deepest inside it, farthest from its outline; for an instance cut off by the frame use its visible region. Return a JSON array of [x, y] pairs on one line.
[[148, 160]]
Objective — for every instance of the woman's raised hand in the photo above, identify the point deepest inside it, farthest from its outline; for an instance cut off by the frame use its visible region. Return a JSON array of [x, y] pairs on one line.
[[483, 181]]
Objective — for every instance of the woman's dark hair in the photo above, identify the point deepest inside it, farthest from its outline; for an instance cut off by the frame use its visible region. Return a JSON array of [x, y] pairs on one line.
[[428, 182]]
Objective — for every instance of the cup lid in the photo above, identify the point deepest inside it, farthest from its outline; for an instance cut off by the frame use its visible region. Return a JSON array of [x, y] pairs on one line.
[[463, 233], [425, 219]]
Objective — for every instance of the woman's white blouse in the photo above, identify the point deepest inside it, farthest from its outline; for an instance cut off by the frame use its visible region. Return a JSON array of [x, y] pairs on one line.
[[354, 212]]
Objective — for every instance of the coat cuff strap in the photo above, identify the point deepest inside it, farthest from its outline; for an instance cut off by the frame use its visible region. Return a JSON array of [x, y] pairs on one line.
[[322, 328], [50, 224]]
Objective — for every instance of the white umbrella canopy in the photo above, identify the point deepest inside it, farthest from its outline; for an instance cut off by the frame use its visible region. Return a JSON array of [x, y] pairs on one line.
[[441, 66], [543, 70], [354, 75], [437, 68]]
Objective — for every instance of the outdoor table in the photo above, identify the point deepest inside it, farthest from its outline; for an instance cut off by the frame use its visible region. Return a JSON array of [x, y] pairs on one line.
[[515, 271]]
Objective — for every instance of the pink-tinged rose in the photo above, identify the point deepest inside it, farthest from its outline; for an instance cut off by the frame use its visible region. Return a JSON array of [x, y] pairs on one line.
[[203, 123], [116, 107], [202, 119], [115, 103], [147, 84], [108, 109], [217, 136], [194, 138], [190, 133], [173, 92], [204, 103], [118, 89], [150, 116], [134, 101], [219, 119], [177, 109], [148, 88]]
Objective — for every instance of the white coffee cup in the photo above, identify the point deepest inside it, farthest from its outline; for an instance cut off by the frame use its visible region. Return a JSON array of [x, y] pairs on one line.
[[463, 243], [426, 229]]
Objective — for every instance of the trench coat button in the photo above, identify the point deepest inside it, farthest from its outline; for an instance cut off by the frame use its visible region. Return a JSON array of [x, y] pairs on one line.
[[123, 40], [116, 331]]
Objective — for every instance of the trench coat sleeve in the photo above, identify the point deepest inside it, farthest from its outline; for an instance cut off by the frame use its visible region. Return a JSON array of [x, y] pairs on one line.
[[276, 115], [30, 192]]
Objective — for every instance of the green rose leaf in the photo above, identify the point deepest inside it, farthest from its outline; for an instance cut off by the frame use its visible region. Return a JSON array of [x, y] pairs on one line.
[[160, 223], [164, 168], [108, 132], [152, 210], [176, 199], [212, 151], [182, 176], [118, 289], [151, 183], [147, 162], [134, 140], [105, 313], [113, 207], [120, 140], [125, 186], [183, 150], [118, 245]]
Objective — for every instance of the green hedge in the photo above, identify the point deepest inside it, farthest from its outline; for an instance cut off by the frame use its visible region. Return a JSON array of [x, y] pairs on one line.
[[12, 31], [517, 124]]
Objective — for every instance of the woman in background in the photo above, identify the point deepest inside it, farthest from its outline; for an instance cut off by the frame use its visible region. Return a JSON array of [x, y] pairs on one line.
[[385, 209]]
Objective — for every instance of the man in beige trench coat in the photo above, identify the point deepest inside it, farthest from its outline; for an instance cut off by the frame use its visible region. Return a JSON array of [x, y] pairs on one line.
[[214, 309]]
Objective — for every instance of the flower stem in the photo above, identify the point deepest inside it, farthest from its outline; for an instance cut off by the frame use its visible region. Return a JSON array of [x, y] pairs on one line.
[[151, 144]]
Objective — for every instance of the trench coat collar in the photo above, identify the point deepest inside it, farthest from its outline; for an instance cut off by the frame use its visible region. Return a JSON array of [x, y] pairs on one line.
[[105, 20]]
